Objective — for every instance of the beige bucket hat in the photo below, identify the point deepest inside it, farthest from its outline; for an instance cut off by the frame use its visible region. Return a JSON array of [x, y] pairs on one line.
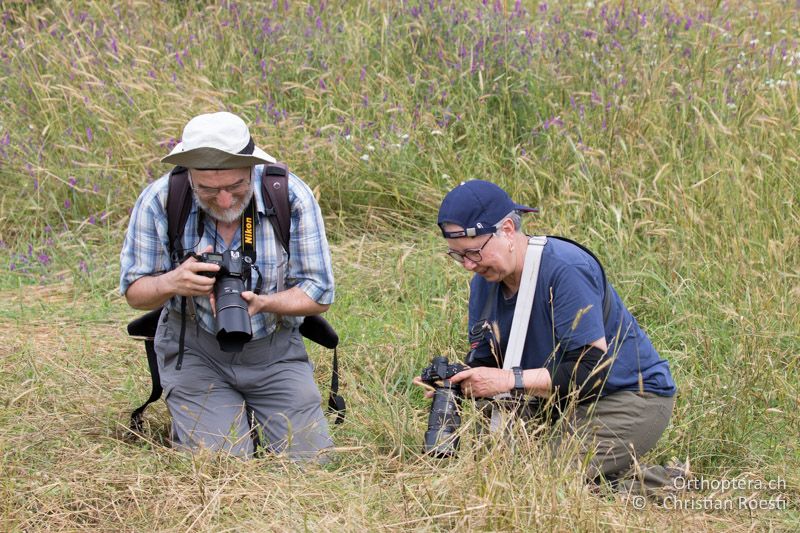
[[217, 141]]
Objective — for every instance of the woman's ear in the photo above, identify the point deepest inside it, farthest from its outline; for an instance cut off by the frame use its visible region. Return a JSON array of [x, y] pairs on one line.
[[508, 228]]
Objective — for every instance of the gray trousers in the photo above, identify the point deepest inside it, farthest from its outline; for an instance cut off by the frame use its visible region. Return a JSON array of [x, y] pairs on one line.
[[212, 397], [613, 433]]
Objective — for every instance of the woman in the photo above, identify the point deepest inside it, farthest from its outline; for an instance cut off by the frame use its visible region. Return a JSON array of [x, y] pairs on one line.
[[583, 348]]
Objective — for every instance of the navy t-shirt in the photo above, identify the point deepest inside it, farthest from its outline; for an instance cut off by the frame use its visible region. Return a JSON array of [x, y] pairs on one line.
[[567, 314]]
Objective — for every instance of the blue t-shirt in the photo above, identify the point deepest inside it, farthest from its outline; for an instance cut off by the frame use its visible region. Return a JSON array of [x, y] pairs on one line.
[[567, 314]]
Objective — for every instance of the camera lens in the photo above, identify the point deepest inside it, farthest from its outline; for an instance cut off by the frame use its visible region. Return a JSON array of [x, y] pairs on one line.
[[443, 422], [233, 320]]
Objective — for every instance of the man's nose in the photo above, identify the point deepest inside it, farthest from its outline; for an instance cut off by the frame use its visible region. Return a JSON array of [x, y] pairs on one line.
[[224, 199]]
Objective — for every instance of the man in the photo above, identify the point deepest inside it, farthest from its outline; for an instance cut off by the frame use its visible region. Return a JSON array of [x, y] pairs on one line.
[[213, 396], [600, 363]]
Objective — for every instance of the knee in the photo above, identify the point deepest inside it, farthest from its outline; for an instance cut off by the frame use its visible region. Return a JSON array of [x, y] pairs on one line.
[[235, 440]]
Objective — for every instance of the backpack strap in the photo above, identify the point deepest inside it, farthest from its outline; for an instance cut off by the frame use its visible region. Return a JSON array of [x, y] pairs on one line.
[[179, 205], [315, 328], [275, 191]]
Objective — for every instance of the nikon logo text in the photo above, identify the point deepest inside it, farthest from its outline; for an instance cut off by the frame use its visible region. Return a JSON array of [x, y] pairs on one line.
[[248, 230]]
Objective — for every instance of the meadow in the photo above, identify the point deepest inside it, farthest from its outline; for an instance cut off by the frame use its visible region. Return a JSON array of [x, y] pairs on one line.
[[662, 135]]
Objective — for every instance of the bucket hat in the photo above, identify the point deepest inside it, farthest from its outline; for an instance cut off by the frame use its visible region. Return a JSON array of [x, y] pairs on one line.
[[217, 141]]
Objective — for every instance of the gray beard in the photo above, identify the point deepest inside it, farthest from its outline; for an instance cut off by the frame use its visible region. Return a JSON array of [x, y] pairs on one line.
[[227, 215]]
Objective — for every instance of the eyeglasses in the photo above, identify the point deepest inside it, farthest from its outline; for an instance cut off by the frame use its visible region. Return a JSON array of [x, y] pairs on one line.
[[473, 254], [237, 187]]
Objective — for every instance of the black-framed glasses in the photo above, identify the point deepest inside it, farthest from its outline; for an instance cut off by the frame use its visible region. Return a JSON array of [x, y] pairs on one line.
[[236, 188], [473, 255]]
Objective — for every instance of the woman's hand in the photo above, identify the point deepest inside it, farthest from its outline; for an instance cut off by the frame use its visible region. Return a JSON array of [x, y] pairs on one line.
[[484, 382]]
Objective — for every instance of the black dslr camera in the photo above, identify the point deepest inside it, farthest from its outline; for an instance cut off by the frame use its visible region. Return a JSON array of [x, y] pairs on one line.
[[232, 278], [444, 418]]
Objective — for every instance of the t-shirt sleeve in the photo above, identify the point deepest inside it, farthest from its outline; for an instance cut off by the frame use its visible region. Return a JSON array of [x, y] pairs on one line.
[[577, 307]]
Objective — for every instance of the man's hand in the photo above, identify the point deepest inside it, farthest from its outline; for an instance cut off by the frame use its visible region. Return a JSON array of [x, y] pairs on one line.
[[255, 302], [151, 292], [187, 280], [484, 382], [291, 302]]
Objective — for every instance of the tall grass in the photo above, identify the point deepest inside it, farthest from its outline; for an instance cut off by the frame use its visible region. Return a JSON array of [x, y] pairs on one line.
[[664, 137]]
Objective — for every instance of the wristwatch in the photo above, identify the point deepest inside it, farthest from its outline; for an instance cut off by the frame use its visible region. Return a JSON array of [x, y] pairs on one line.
[[519, 386]]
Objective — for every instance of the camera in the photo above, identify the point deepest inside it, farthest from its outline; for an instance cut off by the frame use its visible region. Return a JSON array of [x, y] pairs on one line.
[[444, 419], [232, 278]]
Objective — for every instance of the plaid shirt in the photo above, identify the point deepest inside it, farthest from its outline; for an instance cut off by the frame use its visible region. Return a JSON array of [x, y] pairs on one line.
[[145, 251]]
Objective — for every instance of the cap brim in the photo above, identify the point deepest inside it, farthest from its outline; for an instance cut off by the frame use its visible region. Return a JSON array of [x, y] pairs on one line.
[[212, 158]]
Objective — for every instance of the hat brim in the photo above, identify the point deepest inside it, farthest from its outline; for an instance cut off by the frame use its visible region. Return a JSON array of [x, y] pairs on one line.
[[213, 158]]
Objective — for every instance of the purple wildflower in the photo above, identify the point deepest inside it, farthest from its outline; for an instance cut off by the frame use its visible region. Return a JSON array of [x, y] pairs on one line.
[[552, 121], [72, 182], [89, 135], [67, 204], [44, 259], [83, 267]]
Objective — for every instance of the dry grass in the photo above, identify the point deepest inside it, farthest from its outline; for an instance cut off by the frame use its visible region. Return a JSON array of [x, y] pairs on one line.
[[68, 464], [663, 136]]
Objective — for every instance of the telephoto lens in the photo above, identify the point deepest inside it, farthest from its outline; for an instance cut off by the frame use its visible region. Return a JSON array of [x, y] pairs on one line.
[[233, 320], [441, 439], [444, 420]]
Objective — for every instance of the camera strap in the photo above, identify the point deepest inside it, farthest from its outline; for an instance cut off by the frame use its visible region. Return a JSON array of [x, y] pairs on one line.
[[522, 316], [249, 217]]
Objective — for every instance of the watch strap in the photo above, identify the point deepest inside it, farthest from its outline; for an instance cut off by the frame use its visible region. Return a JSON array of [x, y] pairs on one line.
[[519, 385]]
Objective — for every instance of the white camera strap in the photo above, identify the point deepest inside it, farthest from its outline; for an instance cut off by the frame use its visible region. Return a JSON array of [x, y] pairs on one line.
[[522, 315]]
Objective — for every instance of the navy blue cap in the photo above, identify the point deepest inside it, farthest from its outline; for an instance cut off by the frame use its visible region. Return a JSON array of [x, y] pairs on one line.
[[476, 206]]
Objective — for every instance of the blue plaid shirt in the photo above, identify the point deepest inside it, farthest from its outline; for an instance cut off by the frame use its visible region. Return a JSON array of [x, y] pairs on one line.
[[145, 251]]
